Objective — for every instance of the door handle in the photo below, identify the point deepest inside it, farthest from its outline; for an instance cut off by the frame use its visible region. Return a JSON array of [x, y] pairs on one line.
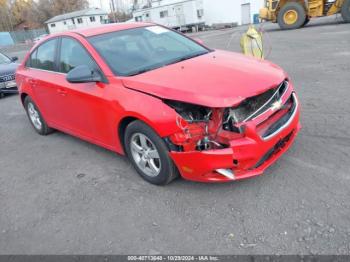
[[62, 91]]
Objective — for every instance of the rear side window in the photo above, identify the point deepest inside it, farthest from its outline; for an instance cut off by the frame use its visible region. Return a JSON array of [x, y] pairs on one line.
[[44, 56], [73, 55]]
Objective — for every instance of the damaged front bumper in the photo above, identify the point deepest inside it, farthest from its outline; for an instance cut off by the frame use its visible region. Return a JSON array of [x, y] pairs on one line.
[[247, 156]]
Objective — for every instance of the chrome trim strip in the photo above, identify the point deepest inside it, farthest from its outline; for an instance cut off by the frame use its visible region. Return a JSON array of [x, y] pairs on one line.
[[8, 75], [12, 75], [49, 71], [252, 116], [289, 120]]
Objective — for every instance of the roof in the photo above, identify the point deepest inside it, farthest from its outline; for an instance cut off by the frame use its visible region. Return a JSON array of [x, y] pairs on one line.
[[107, 28], [84, 12]]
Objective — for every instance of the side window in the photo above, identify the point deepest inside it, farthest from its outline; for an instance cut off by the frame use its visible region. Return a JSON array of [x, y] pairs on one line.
[[44, 56], [31, 61], [73, 55]]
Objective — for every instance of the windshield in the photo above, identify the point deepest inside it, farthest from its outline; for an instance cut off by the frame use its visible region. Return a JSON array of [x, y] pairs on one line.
[[135, 51], [4, 59]]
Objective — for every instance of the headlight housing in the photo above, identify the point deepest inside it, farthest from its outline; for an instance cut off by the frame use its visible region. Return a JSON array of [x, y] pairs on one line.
[[190, 112]]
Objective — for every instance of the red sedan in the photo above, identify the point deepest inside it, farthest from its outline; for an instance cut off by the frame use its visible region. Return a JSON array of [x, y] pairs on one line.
[[171, 104]]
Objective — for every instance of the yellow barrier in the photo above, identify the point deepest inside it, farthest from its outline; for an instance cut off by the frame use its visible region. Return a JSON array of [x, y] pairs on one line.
[[252, 43]]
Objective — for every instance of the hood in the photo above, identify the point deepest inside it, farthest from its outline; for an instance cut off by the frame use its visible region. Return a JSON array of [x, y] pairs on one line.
[[217, 79], [8, 69]]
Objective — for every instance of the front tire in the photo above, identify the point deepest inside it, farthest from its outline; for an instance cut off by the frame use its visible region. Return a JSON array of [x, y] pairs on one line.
[[149, 154], [345, 11], [291, 16], [35, 117]]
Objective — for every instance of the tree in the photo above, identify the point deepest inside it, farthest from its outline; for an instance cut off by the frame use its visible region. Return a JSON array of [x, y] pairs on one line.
[[45, 9], [119, 16], [66, 6], [5, 23], [34, 13], [22, 12]]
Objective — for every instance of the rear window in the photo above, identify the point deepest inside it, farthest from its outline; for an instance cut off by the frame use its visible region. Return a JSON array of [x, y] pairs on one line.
[[44, 56]]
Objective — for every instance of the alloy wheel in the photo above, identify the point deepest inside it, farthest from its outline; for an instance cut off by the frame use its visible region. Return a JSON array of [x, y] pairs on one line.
[[34, 116], [145, 155]]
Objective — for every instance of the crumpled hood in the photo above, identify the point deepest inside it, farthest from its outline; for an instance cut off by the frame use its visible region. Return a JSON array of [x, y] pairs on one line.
[[8, 69], [217, 79]]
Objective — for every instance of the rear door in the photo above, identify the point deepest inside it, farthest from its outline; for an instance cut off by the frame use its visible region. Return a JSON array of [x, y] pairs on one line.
[[42, 76]]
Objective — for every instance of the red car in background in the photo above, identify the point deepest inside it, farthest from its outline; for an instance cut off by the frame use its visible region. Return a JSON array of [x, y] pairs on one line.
[[171, 104]]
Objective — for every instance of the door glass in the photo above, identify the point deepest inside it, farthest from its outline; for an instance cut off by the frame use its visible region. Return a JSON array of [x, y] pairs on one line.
[[73, 55], [45, 56]]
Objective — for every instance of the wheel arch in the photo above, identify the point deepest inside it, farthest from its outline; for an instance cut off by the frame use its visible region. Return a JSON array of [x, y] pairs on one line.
[[131, 117], [121, 129], [284, 2], [23, 97]]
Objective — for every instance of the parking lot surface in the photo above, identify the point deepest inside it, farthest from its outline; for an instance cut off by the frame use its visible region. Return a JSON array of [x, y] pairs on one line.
[[61, 195]]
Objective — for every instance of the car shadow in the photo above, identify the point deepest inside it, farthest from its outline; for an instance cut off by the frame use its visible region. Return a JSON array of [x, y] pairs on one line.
[[126, 169]]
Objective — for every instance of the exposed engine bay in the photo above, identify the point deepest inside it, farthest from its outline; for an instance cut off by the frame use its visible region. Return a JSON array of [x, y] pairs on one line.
[[213, 128]]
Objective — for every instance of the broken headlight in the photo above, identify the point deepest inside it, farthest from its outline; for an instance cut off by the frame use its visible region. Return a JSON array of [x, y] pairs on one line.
[[190, 112]]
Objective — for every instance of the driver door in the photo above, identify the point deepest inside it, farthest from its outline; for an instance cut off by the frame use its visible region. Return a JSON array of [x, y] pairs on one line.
[[84, 108]]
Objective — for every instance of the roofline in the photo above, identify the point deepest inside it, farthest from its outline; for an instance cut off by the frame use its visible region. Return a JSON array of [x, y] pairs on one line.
[[159, 6], [87, 32], [47, 22]]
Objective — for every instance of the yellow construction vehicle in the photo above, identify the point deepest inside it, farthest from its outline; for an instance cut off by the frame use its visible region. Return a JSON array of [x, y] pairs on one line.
[[292, 14]]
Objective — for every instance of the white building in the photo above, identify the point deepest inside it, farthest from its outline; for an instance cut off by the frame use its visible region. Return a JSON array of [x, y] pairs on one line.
[[189, 13], [77, 19]]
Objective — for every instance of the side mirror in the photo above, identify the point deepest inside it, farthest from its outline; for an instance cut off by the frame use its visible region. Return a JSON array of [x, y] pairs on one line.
[[14, 59], [198, 40], [83, 74]]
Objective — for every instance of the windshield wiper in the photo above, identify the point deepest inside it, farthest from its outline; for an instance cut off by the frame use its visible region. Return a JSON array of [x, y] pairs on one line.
[[144, 70], [186, 58]]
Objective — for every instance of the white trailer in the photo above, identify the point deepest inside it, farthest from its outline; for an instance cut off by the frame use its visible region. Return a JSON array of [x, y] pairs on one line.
[[199, 13], [174, 14]]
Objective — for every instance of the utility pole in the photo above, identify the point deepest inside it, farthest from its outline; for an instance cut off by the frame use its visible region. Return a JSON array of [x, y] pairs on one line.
[[113, 11], [9, 17]]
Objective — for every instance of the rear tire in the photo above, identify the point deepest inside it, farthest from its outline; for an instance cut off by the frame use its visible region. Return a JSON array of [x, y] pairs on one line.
[[291, 16], [149, 154], [35, 117], [345, 11]]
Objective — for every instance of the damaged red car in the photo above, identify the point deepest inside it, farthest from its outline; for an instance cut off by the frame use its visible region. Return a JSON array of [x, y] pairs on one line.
[[172, 105]]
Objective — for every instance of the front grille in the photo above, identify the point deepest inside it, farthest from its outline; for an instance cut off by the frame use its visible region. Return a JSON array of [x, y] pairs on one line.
[[254, 106], [263, 102], [291, 104], [7, 78]]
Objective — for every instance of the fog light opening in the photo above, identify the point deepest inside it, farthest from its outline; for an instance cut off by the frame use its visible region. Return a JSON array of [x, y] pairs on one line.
[[227, 173]]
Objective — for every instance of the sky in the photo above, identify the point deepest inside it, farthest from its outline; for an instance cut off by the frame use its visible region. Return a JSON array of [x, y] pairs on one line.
[[105, 4]]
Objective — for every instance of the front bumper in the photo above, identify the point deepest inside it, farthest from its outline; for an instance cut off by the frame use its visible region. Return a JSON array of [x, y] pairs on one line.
[[9, 87], [245, 157]]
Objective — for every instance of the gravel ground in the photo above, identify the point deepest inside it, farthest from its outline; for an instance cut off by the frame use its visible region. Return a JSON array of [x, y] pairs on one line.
[[60, 195]]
